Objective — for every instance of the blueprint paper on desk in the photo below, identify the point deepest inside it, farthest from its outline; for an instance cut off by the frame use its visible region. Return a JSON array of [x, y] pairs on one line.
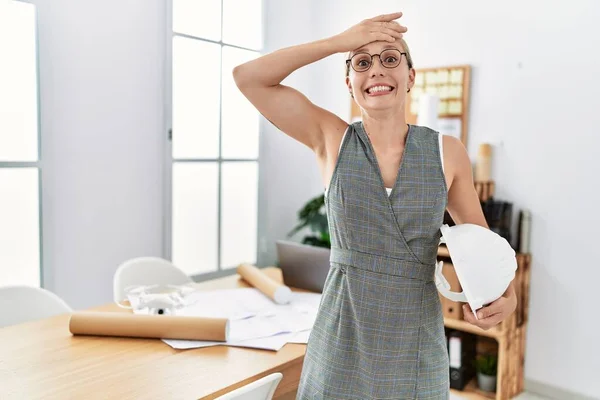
[[305, 302], [238, 304], [244, 303], [259, 327], [254, 319], [300, 337], [228, 303], [270, 332], [274, 343]]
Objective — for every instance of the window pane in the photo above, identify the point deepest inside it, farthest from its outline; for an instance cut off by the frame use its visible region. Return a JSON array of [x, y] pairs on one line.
[[195, 98], [242, 23], [198, 18], [240, 118], [239, 211], [18, 83], [195, 217], [20, 227]]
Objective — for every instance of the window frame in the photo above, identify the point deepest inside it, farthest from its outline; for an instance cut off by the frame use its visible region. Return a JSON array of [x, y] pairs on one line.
[[169, 161], [43, 274]]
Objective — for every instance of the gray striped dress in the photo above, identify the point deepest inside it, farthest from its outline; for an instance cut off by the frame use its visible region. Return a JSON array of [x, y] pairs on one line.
[[379, 332]]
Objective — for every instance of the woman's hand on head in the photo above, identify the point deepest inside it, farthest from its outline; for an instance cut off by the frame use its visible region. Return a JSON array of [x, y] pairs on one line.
[[381, 28]]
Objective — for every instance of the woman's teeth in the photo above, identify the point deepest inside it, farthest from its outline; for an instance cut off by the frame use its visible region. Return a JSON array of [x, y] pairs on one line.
[[377, 89]]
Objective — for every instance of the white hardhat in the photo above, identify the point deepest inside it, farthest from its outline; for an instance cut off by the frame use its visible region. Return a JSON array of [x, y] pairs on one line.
[[484, 262]]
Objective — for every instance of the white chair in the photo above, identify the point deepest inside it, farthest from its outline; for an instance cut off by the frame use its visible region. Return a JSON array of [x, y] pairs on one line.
[[27, 303], [146, 271], [262, 389]]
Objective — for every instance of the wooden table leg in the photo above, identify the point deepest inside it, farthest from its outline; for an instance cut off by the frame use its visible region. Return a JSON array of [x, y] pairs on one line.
[[287, 388]]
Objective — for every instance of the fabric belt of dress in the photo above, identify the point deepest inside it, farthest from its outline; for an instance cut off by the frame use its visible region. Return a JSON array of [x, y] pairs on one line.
[[382, 264]]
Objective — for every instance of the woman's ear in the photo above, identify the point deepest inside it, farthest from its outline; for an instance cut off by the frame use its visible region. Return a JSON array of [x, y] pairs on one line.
[[411, 78], [349, 85]]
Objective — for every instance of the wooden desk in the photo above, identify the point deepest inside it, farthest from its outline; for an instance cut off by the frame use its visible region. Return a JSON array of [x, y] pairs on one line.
[[42, 360]]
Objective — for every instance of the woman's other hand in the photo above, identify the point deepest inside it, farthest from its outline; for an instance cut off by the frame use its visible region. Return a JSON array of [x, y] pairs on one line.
[[494, 313]]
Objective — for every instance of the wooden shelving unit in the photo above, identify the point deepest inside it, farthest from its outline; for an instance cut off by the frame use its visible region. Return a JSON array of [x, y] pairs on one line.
[[472, 392], [509, 334], [461, 325]]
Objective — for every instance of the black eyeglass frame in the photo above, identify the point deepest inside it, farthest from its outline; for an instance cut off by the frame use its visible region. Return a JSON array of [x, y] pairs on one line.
[[348, 61]]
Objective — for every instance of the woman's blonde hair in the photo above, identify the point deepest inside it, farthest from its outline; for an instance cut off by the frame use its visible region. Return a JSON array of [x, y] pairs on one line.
[[404, 46]]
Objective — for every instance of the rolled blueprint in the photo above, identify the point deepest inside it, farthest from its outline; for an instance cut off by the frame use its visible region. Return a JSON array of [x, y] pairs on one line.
[[148, 326], [277, 292]]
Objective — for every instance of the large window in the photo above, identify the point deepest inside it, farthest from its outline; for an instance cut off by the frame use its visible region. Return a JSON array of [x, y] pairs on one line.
[[213, 157], [20, 167]]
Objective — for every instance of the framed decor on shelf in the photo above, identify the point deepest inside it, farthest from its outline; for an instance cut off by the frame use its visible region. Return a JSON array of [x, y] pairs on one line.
[[451, 85]]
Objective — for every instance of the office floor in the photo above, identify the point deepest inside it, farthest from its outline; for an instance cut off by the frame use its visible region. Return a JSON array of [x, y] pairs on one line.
[[529, 396], [522, 396]]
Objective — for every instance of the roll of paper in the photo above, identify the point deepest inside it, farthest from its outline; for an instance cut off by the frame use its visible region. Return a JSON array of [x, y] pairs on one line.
[[149, 326], [484, 163], [428, 111], [277, 292]]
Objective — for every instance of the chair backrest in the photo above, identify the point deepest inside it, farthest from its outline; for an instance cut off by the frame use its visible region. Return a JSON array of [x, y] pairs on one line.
[[27, 303], [262, 389], [146, 271]]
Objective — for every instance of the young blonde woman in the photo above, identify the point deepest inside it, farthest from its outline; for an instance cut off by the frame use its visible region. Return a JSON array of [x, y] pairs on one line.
[[379, 332]]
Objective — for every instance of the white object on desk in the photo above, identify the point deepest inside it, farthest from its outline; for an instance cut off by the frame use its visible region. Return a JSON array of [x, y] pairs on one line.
[[158, 299], [142, 271]]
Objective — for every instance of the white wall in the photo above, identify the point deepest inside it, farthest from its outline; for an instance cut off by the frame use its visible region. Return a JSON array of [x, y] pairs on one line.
[[534, 88], [288, 170], [101, 76]]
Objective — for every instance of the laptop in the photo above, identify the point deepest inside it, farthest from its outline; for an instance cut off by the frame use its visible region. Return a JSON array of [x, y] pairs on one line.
[[303, 266]]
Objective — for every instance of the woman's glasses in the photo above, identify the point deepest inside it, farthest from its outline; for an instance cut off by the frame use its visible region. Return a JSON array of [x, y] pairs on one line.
[[361, 62]]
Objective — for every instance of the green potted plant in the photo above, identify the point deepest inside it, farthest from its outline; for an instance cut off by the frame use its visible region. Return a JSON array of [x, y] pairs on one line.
[[486, 366], [313, 216]]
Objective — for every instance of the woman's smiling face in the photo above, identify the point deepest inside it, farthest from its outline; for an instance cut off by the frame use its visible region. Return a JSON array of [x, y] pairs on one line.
[[379, 75]]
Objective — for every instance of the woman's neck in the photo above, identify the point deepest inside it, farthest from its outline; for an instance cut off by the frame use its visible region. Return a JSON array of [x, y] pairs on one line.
[[387, 131]]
